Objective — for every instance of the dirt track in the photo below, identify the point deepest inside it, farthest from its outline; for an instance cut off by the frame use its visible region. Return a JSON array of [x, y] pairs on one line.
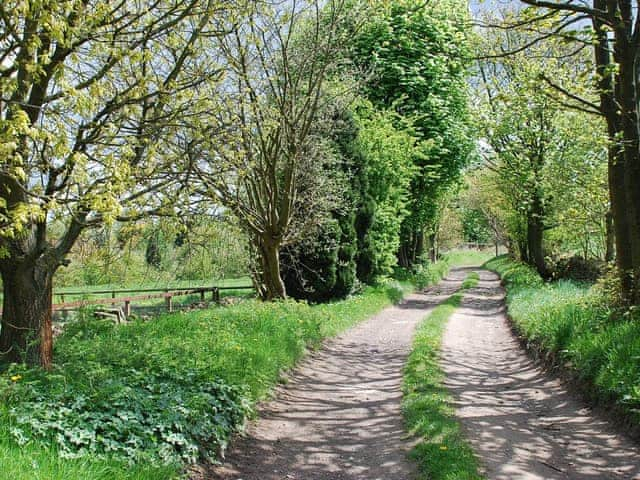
[[338, 417], [522, 424]]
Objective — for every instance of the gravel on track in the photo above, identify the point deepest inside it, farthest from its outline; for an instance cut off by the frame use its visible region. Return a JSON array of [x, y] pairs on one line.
[[522, 423], [338, 417]]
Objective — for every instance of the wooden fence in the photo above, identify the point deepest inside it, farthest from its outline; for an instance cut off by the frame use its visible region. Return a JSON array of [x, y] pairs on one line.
[[147, 294]]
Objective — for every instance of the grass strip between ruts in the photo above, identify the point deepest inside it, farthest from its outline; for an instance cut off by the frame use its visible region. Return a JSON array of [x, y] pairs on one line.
[[442, 452]]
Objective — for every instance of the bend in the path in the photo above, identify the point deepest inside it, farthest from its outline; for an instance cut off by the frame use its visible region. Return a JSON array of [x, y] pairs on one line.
[[338, 416], [522, 424]]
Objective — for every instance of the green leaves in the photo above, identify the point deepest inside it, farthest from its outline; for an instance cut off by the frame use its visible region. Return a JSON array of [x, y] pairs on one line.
[[418, 55], [548, 151], [386, 149], [163, 417]]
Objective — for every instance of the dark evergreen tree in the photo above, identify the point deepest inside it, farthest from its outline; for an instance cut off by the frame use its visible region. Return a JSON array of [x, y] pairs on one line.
[[324, 268]]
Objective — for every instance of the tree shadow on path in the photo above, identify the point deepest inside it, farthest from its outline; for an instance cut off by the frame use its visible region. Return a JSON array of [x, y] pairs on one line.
[[338, 416], [522, 423]]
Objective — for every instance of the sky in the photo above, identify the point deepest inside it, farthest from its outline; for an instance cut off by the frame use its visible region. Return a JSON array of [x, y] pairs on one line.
[[480, 6]]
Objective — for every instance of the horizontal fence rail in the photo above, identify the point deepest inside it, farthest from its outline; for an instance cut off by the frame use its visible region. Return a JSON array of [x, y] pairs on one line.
[[148, 294]]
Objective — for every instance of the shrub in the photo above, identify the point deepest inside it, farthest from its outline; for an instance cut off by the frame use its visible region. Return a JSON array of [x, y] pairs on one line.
[[164, 392], [425, 275], [577, 268], [395, 291], [162, 417], [514, 274]]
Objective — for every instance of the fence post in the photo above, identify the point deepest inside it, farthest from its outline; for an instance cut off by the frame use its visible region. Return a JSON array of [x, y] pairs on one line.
[[127, 309], [169, 300], [202, 295]]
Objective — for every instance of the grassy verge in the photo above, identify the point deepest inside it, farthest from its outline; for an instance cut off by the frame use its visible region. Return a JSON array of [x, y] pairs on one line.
[[138, 401], [570, 326], [442, 452], [424, 275], [465, 258], [139, 379]]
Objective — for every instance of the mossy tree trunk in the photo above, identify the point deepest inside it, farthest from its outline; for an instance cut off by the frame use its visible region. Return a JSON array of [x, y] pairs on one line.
[[26, 328], [272, 286]]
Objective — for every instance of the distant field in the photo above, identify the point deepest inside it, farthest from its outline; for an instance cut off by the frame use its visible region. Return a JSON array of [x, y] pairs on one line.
[[227, 282], [84, 292]]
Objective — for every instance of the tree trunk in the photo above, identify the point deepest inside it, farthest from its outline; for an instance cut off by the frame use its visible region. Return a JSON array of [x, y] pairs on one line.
[[535, 235], [619, 105], [523, 250], [620, 217], [403, 255], [610, 238], [619, 114], [271, 278], [411, 248], [632, 187], [534, 245], [419, 250], [623, 178], [26, 332], [432, 247]]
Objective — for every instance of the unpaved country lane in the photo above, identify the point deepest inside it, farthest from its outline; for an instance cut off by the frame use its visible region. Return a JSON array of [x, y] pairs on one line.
[[338, 417], [522, 424]]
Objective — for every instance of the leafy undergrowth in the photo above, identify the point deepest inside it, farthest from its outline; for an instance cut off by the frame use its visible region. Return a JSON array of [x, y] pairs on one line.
[[138, 401], [570, 325], [442, 452]]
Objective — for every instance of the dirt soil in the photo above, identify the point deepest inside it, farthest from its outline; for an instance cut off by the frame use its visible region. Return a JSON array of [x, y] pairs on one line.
[[522, 424], [338, 417]]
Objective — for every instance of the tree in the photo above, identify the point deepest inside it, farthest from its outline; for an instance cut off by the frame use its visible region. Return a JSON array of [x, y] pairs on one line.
[[418, 57], [580, 200], [377, 167], [385, 148], [153, 252], [475, 226], [91, 95], [530, 133], [482, 194], [277, 61], [614, 34], [323, 265]]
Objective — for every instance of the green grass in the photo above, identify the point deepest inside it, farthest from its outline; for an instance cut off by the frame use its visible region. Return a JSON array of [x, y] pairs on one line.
[[424, 275], [249, 345], [572, 326], [465, 258], [225, 282], [471, 281], [144, 369], [83, 292], [442, 452], [36, 463]]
